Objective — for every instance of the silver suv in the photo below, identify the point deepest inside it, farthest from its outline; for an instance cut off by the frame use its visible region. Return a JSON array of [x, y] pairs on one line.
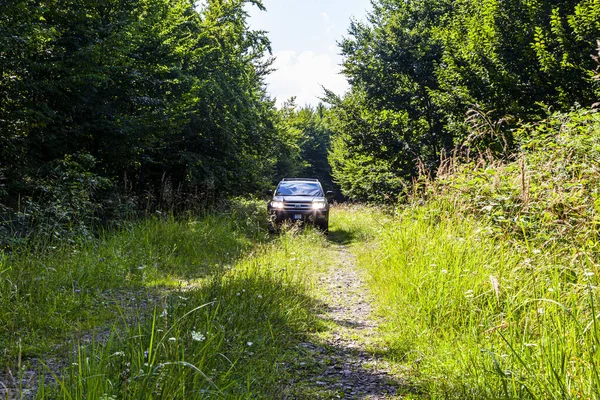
[[300, 199]]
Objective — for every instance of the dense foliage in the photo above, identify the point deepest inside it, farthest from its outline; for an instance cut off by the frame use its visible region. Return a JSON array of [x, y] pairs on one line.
[[159, 102], [548, 196], [308, 142], [424, 73], [496, 271]]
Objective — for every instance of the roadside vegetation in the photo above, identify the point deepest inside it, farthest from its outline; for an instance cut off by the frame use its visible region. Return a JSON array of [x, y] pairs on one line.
[[169, 308], [128, 268], [425, 76], [489, 279]]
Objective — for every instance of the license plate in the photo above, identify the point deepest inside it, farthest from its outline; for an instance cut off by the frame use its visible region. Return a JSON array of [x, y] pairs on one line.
[[297, 216]]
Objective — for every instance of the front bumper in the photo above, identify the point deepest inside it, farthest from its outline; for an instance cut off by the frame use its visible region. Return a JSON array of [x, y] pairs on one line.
[[310, 216]]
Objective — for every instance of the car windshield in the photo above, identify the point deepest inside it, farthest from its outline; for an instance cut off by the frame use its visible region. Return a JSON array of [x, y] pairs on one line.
[[299, 189]]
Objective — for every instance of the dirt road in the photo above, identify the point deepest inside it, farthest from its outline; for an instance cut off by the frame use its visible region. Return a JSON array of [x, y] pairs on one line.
[[336, 362]]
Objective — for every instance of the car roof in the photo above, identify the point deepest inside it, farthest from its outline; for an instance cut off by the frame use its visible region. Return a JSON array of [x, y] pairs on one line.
[[299, 180]]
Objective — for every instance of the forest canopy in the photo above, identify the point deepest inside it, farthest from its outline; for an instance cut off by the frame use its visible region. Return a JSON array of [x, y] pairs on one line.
[[430, 75], [109, 104], [112, 107]]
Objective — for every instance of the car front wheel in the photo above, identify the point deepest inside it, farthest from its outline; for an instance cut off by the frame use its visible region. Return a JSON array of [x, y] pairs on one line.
[[323, 226]]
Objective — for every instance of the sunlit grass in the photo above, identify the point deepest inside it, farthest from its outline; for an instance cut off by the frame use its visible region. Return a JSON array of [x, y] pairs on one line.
[[223, 339], [214, 307], [174, 308], [473, 316], [51, 292]]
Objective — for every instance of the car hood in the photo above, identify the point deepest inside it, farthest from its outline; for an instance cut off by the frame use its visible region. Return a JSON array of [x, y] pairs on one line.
[[299, 199]]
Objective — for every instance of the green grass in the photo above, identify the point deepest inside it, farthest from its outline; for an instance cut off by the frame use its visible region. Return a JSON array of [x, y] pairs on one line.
[[214, 307], [222, 339], [48, 293], [489, 279], [472, 316], [166, 308]]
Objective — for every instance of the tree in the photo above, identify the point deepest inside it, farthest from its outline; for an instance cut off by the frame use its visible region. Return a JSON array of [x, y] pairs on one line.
[[304, 152], [166, 102], [418, 67]]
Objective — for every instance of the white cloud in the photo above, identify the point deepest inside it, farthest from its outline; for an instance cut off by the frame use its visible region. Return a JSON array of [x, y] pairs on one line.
[[302, 74]]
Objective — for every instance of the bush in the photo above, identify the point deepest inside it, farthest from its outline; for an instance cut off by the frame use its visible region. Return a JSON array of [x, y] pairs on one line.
[[550, 193], [63, 204]]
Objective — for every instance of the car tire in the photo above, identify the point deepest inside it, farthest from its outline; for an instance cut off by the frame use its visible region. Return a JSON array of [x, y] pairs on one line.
[[324, 226]]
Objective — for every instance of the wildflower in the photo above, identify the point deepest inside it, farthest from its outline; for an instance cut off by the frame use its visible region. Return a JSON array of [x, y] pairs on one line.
[[260, 296], [249, 344], [119, 354], [495, 286], [197, 336]]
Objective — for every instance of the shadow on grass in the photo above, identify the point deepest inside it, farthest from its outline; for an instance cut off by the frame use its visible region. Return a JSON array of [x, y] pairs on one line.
[[247, 323], [70, 294], [342, 237]]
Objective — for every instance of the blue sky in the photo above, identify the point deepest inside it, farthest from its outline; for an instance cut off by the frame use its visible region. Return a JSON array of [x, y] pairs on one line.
[[303, 35]]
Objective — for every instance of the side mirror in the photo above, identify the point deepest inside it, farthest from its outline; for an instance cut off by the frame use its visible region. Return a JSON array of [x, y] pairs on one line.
[[269, 193], [330, 194]]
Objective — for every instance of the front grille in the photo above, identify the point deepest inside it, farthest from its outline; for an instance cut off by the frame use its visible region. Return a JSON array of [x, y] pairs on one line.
[[296, 206]]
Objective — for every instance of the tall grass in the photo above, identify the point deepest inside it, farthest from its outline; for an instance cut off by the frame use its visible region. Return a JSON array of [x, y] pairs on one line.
[[50, 290], [472, 315], [166, 308], [221, 340], [490, 281]]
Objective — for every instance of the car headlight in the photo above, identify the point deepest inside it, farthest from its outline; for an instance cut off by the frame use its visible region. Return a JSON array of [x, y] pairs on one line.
[[277, 204], [318, 205]]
